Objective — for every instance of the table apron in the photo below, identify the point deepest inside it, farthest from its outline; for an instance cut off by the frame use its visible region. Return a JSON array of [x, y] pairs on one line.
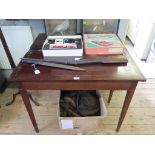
[[78, 85]]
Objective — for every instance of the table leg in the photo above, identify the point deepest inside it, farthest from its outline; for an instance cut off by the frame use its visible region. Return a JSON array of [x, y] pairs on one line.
[[14, 97], [27, 103], [110, 95], [18, 93], [127, 101]]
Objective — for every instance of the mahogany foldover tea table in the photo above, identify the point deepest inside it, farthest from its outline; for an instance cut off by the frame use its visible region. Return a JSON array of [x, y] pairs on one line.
[[95, 77]]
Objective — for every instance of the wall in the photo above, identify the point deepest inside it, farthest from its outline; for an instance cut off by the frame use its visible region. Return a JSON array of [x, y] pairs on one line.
[[133, 29], [37, 25], [122, 30]]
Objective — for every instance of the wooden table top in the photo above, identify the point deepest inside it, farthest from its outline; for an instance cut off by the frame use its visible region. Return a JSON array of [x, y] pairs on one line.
[[94, 72]]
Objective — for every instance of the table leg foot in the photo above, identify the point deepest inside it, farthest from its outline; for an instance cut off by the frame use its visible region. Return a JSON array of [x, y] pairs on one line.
[[18, 93], [27, 103], [14, 97], [126, 104]]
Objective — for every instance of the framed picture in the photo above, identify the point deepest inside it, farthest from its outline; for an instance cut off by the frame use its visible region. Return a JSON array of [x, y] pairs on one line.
[[96, 26], [80, 26], [60, 26]]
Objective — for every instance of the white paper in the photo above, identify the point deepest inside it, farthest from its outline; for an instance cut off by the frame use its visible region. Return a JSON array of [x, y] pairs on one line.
[[76, 59], [76, 78], [67, 124], [37, 71]]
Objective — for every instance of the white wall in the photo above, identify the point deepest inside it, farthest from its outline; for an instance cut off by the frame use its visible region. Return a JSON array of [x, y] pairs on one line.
[[144, 39], [4, 62], [133, 28], [37, 25], [122, 30], [19, 39], [19, 36]]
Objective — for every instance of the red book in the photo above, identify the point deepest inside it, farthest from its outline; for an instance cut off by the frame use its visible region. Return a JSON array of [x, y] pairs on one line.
[[102, 44]]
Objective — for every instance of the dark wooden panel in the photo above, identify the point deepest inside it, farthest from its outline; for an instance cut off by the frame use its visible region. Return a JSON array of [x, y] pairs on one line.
[[2, 79], [76, 85], [37, 44]]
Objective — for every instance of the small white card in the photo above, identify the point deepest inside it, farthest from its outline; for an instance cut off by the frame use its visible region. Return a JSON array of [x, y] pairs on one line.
[[37, 71], [67, 124], [76, 59], [76, 78]]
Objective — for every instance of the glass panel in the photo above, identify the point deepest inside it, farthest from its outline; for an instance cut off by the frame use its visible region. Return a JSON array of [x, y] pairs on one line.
[[60, 26], [100, 25]]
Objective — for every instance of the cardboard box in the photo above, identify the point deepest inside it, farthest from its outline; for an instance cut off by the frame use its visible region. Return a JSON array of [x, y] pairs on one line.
[[83, 122], [102, 44], [62, 47]]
